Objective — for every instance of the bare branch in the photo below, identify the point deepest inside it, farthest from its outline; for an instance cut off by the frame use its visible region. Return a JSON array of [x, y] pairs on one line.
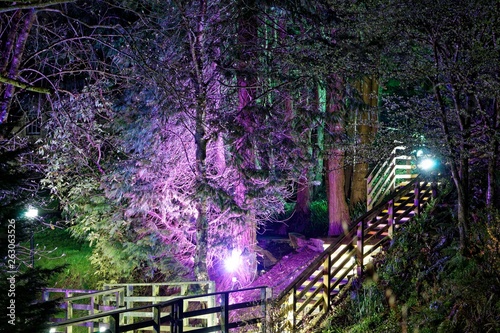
[[27, 4], [24, 86]]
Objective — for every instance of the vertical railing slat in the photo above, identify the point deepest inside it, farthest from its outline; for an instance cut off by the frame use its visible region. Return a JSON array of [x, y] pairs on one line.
[[416, 199], [390, 218], [360, 247], [224, 312]]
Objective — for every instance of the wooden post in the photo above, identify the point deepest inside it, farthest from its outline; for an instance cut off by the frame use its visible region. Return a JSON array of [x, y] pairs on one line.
[[156, 319], [92, 311], [390, 218], [155, 292], [177, 324], [263, 308], [211, 303], [224, 312], [416, 199], [327, 264], [434, 190], [69, 311], [359, 247], [115, 323], [130, 304]]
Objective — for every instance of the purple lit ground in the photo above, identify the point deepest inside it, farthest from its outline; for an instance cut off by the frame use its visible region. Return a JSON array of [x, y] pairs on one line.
[[291, 263]]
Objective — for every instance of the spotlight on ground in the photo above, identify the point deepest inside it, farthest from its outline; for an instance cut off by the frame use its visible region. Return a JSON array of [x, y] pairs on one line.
[[233, 262]]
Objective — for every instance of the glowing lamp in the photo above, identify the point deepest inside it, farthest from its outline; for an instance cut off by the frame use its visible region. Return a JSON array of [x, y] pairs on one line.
[[31, 212], [427, 164], [233, 261]]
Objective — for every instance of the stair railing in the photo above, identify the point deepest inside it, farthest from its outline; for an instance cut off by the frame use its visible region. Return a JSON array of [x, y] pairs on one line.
[[397, 169], [310, 296]]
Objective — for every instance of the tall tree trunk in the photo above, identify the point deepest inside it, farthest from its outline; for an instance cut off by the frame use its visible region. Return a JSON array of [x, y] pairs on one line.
[[197, 54], [301, 220], [460, 170], [12, 53], [246, 237], [338, 211], [365, 134], [319, 144], [492, 159]]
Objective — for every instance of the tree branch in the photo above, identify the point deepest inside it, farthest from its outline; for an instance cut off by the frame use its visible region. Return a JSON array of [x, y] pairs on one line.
[[28, 4], [24, 86]]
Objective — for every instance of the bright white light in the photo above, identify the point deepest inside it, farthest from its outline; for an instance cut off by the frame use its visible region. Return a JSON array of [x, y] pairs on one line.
[[427, 164], [52, 330], [103, 327], [31, 212], [420, 152], [233, 262]]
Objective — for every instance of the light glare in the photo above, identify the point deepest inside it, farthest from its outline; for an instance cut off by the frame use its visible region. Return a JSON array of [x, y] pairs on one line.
[[233, 262], [31, 212], [427, 164]]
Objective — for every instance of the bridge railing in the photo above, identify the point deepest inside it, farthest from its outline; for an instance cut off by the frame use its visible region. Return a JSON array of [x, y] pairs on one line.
[[238, 308], [140, 294], [82, 303]]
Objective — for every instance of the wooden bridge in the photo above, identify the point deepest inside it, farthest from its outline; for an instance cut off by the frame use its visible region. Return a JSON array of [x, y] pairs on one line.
[[303, 304]]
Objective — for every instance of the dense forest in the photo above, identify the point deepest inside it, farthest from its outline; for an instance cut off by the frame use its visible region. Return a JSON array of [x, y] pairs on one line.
[[168, 133]]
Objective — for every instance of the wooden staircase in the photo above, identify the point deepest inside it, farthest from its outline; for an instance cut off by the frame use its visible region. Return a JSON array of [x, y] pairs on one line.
[[309, 298]]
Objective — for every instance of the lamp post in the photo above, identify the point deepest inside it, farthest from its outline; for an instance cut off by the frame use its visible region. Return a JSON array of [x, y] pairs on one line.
[[32, 213]]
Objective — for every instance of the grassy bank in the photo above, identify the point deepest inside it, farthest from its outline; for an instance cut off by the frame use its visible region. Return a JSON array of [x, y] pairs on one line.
[[56, 247]]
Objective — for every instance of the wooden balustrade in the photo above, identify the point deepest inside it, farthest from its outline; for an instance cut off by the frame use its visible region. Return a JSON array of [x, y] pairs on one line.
[[309, 298], [171, 316], [394, 171], [83, 303]]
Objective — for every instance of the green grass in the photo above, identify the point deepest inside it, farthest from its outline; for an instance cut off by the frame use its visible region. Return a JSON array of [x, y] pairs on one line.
[[56, 248]]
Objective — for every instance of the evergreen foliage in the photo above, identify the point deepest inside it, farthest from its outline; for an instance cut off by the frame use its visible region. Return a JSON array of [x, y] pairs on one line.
[[21, 285]]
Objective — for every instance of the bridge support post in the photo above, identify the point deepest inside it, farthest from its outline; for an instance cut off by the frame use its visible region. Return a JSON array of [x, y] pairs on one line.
[[434, 189], [265, 294], [156, 319], [327, 264], [390, 218], [224, 313], [177, 323], [359, 247], [416, 200], [115, 323]]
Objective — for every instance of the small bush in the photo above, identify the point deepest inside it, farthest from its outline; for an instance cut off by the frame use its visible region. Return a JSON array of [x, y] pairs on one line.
[[319, 219]]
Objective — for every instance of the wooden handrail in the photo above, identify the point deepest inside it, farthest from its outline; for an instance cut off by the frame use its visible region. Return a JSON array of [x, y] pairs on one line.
[[385, 177], [349, 233], [364, 236], [177, 314]]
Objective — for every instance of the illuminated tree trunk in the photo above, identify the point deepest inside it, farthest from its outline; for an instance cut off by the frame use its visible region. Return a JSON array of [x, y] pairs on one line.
[[196, 48], [338, 211], [245, 233], [365, 133]]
